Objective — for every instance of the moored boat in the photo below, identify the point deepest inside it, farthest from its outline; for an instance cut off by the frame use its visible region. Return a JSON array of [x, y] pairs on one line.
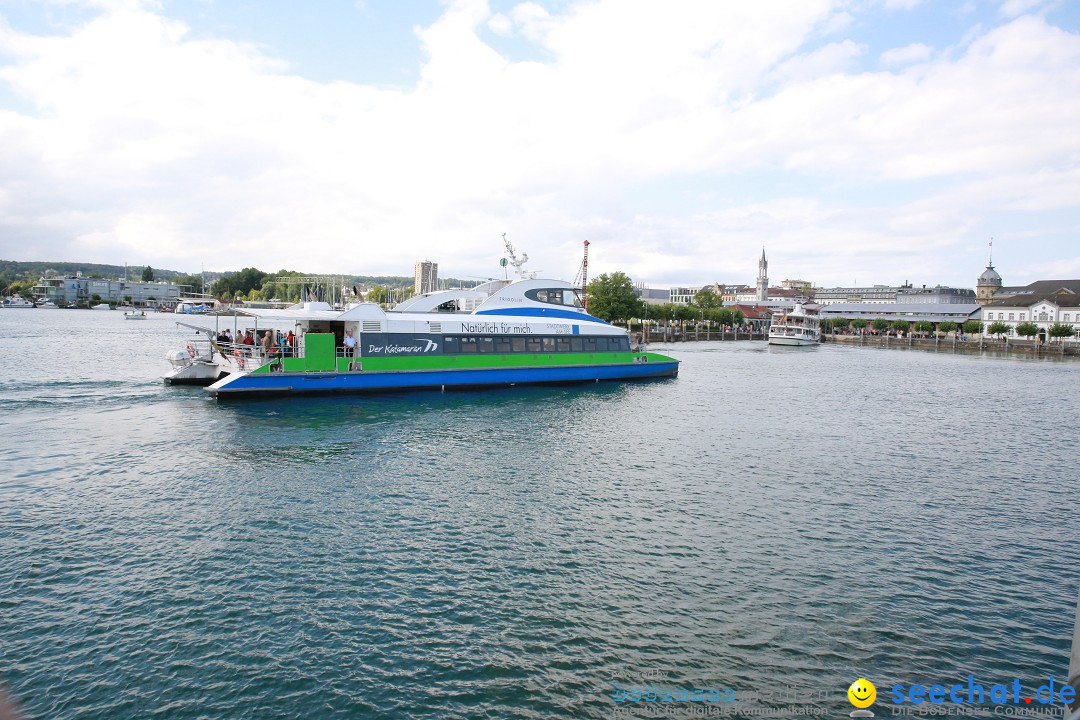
[[17, 302], [798, 326], [133, 314], [502, 333], [46, 304]]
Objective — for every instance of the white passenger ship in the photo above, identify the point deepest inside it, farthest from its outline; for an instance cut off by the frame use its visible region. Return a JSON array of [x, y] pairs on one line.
[[797, 326]]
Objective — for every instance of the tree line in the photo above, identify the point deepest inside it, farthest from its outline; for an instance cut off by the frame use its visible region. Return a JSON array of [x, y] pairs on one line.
[[612, 298]]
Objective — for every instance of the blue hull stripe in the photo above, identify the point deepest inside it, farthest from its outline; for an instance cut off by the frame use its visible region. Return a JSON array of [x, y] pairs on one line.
[[543, 313], [332, 382]]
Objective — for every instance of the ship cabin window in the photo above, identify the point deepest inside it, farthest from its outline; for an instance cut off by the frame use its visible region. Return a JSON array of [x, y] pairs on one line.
[[557, 296], [504, 344]]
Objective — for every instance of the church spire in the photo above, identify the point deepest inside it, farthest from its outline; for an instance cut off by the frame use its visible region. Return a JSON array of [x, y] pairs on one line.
[[763, 278]]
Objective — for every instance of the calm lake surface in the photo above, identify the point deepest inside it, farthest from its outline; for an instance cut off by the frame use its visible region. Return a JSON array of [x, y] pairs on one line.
[[772, 519]]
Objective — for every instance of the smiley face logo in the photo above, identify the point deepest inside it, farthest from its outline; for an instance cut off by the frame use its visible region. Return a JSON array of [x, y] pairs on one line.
[[862, 693]]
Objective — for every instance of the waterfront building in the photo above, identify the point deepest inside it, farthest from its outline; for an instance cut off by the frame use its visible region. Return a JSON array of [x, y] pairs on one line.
[[652, 296], [427, 277], [757, 316], [772, 295], [1044, 302], [804, 286], [683, 295], [762, 278], [731, 293], [878, 294], [938, 294], [78, 290], [911, 312]]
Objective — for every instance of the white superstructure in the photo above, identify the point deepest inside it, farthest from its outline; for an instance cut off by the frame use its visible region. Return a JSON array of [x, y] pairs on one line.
[[795, 327]]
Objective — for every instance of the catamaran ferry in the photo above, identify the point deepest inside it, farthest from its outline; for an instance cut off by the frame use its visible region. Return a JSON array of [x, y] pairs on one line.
[[501, 333]]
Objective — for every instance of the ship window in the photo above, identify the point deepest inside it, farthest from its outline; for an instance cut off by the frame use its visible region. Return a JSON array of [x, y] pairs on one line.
[[575, 345], [624, 344], [549, 344], [590, 344], [452, 345], [562, 344], [518, 344], [502, 345], [486, 345], [468, 345], [535, 345], [557, 296]]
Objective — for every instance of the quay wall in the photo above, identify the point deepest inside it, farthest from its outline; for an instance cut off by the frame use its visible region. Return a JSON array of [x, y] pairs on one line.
[[976, 344], [1029, 348]]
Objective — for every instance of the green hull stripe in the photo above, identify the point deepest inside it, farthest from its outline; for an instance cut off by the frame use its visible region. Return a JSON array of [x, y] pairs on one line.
[[452, 362], [469, 362]]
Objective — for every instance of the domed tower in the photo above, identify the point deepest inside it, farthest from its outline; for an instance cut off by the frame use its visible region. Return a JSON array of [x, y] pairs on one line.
[[988, 284]]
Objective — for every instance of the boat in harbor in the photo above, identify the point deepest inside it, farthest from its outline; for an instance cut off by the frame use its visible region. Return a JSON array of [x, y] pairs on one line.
[[17, 302], [133, 314], [102, 306], [47, 304], [797, 326], [501, 333]]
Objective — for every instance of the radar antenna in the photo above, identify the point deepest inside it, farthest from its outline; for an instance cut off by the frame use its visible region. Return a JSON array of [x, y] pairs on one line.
[[518, 262]]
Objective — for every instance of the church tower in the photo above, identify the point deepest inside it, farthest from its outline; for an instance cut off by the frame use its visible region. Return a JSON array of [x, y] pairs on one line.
[[762, 278]]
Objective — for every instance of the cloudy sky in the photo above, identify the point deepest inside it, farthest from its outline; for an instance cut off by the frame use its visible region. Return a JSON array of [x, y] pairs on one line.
[[868, 141]]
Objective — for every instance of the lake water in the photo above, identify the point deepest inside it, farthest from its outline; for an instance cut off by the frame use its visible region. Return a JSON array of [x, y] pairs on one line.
[[772, 519]]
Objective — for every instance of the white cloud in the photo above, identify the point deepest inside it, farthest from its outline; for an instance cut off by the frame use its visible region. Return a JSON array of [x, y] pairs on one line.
[[915, 52], [194, 151]]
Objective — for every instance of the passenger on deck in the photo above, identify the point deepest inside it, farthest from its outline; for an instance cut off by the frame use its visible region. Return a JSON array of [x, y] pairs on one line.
[[266, 343], [290, 343], [350, 343], [249, 339]]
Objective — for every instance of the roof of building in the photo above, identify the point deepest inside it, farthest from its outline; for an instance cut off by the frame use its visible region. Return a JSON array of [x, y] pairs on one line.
[[1061, 299], [753, 312], [990, 276], [786, 292], [934, 312]]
